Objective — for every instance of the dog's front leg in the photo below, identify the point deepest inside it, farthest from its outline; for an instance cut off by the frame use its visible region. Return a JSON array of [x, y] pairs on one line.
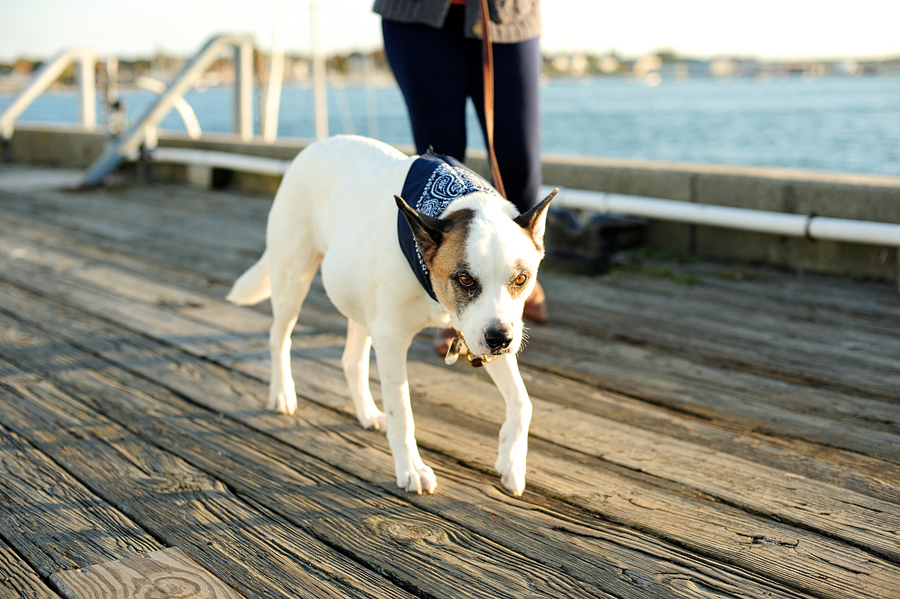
[[356, 369], [514, 432], [390, 353]]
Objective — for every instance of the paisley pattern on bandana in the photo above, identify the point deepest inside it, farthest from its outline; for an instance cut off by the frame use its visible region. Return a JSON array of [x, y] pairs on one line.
[[448, 183], [433, 182]]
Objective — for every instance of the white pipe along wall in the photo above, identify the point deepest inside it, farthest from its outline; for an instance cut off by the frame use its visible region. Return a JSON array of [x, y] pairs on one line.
[[760, 221]]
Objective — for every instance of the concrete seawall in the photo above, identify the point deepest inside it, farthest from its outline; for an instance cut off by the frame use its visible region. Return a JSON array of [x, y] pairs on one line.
[[792, 191]]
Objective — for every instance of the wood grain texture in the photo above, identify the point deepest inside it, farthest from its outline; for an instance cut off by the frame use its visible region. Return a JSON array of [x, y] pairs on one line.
[[751, 401], [245, 544], [761, 360], [697, 388], [18, 580], [792, 556], [164, 574], [855, 367], [862, 521], [826, 416], [605, 552], [429, 553], [53, 521]]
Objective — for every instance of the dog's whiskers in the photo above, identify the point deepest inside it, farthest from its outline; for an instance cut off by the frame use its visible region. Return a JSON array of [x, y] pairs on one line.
[[525, 338]]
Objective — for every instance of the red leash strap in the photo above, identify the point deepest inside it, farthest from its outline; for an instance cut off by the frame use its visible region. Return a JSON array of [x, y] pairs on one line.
[[487, 54]]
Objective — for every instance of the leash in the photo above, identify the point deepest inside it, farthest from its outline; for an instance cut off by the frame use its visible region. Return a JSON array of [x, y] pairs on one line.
[[487, 60]]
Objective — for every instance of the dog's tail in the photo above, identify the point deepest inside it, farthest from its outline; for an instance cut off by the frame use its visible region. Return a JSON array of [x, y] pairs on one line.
[[253, 286]]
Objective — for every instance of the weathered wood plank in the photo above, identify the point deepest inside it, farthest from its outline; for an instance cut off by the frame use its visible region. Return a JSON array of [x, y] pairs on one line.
[[246, 545], [845, 339], [740, 347], [852, 517], [128, 225], [710, 391], [417, 412], [198, 216], [568, 357], [850, 470], [718, 394], [52, 520], [849, 516], [791, 556], [715, 387], [375, 527], [774, 291], [164, 573], [749, 400], [819, 329], [512, 523], [18, 580]]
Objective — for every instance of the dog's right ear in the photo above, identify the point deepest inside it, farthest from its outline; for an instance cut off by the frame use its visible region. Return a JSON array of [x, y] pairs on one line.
[[427, 230]]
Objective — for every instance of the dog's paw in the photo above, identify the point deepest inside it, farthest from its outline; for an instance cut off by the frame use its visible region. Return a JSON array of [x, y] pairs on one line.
[[283, 402], [373, 420], [420, 479], [512, 474]]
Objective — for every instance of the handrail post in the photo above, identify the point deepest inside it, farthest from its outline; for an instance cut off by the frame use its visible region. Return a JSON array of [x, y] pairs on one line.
[[86, 76], [243, 90], [268, 114], [320, 98]]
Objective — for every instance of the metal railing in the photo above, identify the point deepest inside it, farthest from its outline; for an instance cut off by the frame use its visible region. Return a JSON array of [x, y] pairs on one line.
[[86, 59], [188, 117], [143, 131]]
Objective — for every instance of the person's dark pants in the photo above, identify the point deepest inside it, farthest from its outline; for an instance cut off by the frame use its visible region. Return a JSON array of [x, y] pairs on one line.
[[437, 69]]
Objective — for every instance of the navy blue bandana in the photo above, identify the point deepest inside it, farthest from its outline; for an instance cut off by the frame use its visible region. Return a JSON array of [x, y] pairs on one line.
[[432, 183]]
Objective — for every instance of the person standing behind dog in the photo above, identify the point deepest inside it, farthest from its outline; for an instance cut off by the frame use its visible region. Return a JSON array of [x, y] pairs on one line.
[[434, 50]]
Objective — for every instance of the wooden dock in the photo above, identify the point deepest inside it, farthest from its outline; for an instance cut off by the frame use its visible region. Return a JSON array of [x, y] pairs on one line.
[[699, 430]]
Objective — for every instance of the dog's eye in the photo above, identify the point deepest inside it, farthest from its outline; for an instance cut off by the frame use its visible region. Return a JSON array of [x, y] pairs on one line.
[[465, 280], [520, 280]]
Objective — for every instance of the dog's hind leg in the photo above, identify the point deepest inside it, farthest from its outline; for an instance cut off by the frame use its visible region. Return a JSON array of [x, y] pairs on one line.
[[356, 368], [390, 350], [514, 432], [292, 274]]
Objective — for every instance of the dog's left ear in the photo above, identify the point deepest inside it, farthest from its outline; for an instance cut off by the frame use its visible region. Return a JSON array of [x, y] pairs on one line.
[[427, 230], [535, 220]]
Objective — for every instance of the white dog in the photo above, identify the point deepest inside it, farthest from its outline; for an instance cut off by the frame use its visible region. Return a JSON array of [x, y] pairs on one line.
[[337, 206]]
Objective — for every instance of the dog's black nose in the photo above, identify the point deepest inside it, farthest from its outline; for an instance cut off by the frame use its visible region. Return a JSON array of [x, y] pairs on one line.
[[497, 338]]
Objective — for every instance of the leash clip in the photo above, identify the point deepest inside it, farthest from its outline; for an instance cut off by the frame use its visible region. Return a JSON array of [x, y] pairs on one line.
[[457, 346]]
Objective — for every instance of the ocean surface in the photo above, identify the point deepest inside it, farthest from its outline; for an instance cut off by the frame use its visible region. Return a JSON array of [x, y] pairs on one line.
[[830, 124]]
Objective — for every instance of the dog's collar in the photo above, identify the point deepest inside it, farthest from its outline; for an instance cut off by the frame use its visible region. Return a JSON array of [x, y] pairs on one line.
[[433, 182]]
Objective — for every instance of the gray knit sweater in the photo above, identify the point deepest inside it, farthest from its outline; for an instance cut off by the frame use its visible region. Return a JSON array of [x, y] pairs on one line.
[[511, 20]]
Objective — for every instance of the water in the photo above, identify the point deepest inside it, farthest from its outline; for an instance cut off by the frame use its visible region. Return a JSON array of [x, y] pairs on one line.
[[831, 124]]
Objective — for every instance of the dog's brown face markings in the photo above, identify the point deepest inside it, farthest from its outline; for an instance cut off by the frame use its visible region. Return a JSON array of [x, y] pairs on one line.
[[451, 276], [442, 243]]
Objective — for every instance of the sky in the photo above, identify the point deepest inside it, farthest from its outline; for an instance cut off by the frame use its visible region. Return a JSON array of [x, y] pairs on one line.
[[769, 29]]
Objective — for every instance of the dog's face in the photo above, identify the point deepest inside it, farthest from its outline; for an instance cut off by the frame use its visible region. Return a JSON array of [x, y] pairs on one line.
[[483, 265]]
